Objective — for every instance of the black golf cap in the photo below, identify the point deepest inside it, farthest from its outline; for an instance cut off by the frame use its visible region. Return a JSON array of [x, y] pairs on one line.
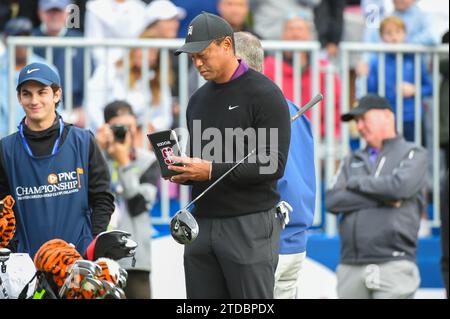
[[204, 29], [367, 103]]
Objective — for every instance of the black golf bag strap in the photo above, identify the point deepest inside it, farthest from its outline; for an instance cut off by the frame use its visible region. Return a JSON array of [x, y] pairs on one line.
[[24, 292], [42, 283]]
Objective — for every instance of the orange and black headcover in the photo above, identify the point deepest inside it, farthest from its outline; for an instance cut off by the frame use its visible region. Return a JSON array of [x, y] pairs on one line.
[[7, 220], [55, 256]]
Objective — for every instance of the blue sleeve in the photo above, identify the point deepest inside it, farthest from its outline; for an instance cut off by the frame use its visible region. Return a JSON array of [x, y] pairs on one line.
[[427, 85], [78, 78], [372, 79], [425, 36]]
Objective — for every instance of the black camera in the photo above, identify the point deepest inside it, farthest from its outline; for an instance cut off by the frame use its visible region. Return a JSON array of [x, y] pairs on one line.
[[119, 132]]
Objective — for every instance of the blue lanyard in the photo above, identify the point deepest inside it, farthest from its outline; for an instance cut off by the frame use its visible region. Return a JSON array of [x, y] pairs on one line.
[[55, 147]]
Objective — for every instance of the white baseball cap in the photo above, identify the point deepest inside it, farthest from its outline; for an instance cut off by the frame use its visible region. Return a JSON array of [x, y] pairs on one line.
[[162, 10]]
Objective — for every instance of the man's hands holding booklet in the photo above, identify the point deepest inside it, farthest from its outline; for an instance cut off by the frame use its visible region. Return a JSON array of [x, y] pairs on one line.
[[192, 169], [178, 169]]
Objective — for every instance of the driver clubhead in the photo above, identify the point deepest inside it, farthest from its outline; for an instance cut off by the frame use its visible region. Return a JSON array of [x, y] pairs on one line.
[[183, 227]]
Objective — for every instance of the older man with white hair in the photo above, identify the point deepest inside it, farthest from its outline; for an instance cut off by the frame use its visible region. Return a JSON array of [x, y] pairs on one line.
[[378, 193]]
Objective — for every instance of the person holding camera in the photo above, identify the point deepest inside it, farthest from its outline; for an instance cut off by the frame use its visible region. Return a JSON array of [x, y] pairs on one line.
[[134, 176]]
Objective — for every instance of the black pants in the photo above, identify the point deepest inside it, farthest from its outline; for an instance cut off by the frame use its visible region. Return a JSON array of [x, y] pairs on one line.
[[233, 257]]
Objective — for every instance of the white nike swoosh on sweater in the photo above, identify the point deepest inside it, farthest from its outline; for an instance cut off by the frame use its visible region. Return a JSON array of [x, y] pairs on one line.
[[232, 107]]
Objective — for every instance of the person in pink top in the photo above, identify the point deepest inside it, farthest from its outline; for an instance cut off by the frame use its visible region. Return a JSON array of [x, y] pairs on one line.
[[298, 28]]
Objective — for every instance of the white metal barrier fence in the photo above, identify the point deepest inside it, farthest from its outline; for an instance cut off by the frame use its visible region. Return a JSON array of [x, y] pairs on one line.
[[327, 149]]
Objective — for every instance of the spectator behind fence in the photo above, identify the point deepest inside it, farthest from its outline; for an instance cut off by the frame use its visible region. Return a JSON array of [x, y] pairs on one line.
[[392, 31], [19, 26], [235, 12], [297, 186], [329, 22], [10, 9], [18, 8], [53, 15], [377, 193], [298, 28], [193, 8], [439, 11], [418, 24], [111, 19], [162, 20], [151, 102], [268, 15], [134, 174]]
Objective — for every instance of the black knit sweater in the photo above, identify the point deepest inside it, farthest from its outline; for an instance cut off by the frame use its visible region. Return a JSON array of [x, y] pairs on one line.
[[250, 103]]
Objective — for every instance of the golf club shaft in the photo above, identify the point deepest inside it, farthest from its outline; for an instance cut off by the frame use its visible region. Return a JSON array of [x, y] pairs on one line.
[[316, 99], [307, 106]]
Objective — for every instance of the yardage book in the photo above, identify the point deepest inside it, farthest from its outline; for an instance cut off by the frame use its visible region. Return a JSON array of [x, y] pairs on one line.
[[165, 144]]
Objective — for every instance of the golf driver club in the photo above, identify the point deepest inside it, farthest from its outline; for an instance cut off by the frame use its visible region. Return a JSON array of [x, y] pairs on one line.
[[183, 226]]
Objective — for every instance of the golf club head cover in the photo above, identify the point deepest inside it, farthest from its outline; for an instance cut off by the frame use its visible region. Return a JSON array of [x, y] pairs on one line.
[[96, 287], [114, 244], [110, 270], [7, 220], [55, 256]]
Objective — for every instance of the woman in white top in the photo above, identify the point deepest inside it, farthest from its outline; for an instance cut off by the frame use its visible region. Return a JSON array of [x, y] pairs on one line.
[[150, 99], [113, 19]]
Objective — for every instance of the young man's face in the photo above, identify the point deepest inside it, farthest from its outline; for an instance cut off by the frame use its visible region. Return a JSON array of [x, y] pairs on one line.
[[393, 34], [210, 62], [38, 101]]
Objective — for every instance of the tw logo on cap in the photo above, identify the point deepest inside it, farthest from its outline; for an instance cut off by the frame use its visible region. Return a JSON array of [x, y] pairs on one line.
[[191, 28]]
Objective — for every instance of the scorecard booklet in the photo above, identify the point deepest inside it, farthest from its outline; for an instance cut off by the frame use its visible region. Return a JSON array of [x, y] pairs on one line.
[[165, 144]]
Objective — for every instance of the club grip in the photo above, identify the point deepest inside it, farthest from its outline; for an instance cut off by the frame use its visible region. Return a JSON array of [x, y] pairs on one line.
[[316, 99]]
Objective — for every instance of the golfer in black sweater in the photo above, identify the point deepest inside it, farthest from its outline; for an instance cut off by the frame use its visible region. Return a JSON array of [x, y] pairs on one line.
[[236, 252]]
